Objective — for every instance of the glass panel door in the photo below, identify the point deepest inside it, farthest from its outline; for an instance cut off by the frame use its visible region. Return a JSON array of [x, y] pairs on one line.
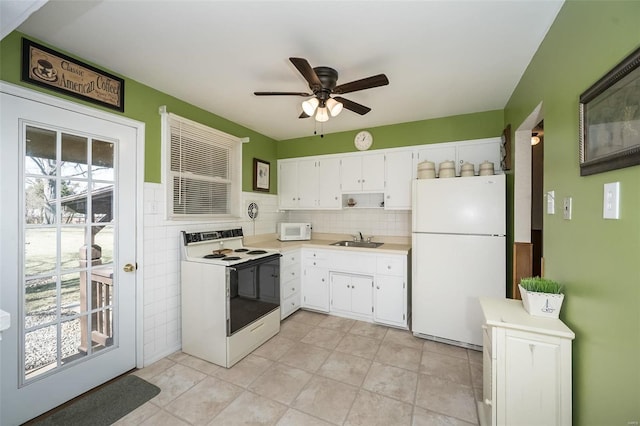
[[68, 226], [68, 248]]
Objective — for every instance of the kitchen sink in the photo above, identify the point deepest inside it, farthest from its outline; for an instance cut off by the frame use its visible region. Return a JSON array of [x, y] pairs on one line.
[[363, 244]]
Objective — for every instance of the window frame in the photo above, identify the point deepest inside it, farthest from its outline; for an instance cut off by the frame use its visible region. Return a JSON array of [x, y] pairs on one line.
[[234, 199]]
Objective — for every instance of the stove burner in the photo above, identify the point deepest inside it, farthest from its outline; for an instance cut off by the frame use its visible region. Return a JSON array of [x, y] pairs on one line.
[[241, 250], [214, 256], [257, 252], [232, 258]]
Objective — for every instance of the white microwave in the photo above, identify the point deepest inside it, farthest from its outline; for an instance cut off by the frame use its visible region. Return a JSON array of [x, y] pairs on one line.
[[294, 231]]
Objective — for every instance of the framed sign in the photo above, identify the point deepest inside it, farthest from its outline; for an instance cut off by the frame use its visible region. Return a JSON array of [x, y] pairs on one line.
[[610, 119], [47, 68], [260, 175]]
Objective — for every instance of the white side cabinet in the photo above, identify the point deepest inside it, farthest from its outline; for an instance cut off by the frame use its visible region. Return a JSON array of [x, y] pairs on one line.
[[290, 282], [526, 367]]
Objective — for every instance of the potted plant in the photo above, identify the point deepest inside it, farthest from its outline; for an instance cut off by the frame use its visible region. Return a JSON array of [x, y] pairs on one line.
[[541, 296]]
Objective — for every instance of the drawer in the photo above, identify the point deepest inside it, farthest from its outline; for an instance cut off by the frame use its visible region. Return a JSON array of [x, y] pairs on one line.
[[288, 273], [314, 254], [290, 305], [289, 288], [316, 263], [244, 341], [391, 265], [290, 258], [352, 262]]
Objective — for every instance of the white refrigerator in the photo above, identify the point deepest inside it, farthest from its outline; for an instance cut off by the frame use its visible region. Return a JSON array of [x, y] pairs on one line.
[[458, 255]]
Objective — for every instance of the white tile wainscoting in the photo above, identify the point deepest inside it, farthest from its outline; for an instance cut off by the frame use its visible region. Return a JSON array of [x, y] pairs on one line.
[[162, 247]]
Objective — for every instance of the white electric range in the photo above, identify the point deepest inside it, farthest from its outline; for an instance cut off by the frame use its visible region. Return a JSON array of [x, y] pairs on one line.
[[230, 296]]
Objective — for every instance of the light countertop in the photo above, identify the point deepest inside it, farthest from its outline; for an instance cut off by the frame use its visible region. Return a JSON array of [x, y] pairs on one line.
[[392, 245], [508, 313]]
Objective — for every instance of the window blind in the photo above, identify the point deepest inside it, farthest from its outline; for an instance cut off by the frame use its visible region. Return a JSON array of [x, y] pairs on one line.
[[203, 170]]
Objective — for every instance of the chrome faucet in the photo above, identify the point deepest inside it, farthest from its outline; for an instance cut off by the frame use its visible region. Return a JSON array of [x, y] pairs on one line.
[[361, 237]]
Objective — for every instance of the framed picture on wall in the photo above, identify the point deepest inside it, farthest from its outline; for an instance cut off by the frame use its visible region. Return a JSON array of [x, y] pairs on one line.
[[610, 119], [260, 175]]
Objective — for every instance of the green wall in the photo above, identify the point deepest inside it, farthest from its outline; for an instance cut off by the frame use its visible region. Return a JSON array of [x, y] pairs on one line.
[[597, 259], [461, 127], [142, 103]]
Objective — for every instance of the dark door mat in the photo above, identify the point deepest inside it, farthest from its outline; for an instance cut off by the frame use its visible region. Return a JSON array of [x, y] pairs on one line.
[[105, 405]]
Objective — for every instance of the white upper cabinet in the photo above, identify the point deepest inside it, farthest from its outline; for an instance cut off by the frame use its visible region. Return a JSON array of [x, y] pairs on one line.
[[288, 184], [320, 182], [437, 153], [308, 183], [329, 196], [362, 173], [478, 152], [399, 171]]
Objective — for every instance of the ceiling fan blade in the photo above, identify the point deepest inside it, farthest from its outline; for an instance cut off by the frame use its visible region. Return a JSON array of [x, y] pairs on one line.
[[282, 94], [365, 83], [307, 72], [353, 106], [304, 115]]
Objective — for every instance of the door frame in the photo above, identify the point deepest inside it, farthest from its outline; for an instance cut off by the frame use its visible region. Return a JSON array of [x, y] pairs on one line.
[[53, 101]]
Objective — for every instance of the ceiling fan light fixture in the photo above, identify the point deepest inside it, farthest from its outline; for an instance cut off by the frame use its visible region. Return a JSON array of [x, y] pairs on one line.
[[322, 115], [334, 107], [309, 106]]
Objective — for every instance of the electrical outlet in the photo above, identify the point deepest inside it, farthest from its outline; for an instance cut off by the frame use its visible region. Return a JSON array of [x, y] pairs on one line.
[[566, 210], [551, 203]]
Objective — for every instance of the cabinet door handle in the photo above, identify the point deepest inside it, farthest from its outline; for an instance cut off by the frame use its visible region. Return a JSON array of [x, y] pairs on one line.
[[388, 266], [293, 289], [378, 287], [323, 280]]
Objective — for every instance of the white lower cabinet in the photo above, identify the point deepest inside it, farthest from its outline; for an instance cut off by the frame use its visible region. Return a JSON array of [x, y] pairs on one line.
[[290, 282], [526, 367], [315, 287], [351, 294], [358, 285], [390, 301]]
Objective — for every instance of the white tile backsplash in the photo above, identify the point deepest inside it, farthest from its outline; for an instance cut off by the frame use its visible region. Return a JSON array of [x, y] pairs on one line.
[[162, 251], [371, 222]]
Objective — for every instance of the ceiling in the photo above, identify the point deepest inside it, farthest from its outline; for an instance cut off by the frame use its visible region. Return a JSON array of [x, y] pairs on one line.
[[442, 58]]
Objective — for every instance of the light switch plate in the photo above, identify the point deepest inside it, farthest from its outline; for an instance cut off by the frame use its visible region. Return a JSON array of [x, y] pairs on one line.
[[566, 208], [611, 201], [551, 203]]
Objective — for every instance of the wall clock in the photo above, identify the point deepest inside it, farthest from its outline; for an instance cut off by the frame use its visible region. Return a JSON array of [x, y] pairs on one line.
[[363, 140]]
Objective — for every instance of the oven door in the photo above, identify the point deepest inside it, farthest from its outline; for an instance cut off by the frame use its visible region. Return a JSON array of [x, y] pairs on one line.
[[254, 291]]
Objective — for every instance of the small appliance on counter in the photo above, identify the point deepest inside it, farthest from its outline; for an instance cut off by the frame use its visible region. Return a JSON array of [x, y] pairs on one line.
[[294, 231]]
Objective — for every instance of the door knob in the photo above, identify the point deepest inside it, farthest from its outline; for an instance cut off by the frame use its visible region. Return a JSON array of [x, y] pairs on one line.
[[129, 267]]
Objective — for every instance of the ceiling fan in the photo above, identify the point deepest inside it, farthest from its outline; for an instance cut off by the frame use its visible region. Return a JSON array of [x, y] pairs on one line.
[[322, 82]]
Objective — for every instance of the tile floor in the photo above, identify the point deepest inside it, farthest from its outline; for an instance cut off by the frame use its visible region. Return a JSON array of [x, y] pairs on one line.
[[320, 370]]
